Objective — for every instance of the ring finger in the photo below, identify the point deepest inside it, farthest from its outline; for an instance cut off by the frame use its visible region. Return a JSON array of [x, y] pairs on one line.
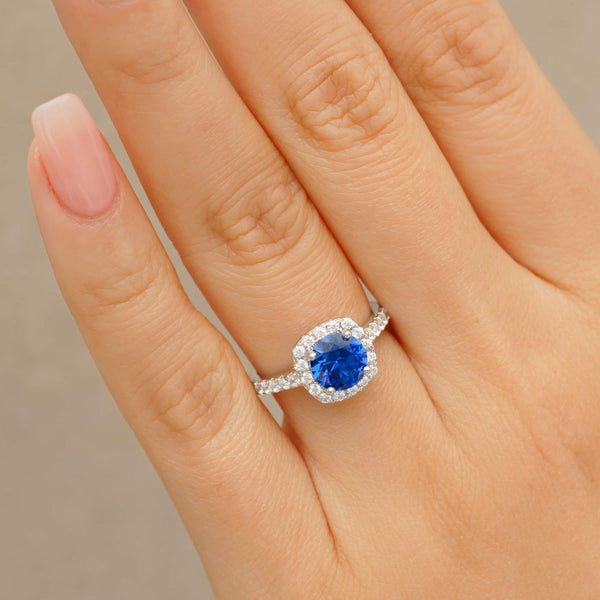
[[322, 87]]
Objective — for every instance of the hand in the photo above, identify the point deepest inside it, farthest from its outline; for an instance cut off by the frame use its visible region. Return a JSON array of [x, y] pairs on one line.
[[414, 145]]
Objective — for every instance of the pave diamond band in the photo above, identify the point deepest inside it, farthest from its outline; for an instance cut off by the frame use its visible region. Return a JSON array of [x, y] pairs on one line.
[[333, 361]]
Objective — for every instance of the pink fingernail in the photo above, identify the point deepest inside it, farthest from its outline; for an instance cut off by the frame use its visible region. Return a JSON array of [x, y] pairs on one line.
[[75, 156]]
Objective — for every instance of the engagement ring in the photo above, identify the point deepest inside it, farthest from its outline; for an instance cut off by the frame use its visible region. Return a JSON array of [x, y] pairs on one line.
[[333, 361]]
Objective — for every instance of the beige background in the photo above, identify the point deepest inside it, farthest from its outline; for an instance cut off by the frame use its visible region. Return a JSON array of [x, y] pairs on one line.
[[82, 514]]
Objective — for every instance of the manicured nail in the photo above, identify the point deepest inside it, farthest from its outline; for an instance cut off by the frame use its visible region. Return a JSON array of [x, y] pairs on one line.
[[75, 156]]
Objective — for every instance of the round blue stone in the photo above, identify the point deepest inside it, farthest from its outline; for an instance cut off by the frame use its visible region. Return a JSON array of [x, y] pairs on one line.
[[340, 362]]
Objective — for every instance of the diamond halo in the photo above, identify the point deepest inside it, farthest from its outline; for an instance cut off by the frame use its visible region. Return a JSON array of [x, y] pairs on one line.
[[304, 353]]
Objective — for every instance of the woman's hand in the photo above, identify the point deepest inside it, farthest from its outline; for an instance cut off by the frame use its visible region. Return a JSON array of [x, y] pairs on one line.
[[413, 144]]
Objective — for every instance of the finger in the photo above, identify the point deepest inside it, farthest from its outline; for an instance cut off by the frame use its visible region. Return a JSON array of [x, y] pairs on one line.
[[528, 168], [243, 225], [322, 88], [178, 383]]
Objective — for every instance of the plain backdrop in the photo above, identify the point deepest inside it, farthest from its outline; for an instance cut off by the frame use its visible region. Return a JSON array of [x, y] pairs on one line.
[[82, 513]]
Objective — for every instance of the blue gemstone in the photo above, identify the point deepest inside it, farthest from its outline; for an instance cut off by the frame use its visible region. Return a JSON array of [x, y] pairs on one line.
[[340, 362]]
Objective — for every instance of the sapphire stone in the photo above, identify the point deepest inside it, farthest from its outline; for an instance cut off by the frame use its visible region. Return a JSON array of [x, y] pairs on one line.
[[340, 362]]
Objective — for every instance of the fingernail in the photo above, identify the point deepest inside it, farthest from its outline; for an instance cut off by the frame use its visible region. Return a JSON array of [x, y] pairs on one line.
[[75, 156]]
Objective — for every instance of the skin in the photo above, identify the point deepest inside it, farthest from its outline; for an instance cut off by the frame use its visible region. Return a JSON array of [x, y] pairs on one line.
[[413, 144]]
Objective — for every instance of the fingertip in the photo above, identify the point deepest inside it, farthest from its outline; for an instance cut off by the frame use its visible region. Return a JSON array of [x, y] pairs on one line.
[[74, 156]]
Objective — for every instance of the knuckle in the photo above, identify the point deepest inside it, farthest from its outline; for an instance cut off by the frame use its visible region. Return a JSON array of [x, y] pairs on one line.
[[193, 400], [129, 283], [343, 98], [464, 58], [149, 63], [262, 220]]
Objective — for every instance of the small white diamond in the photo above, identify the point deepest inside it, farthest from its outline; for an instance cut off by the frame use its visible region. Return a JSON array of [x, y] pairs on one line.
[[325, 398], [299, 351], [307, 378], [315, 389], [338, 396]]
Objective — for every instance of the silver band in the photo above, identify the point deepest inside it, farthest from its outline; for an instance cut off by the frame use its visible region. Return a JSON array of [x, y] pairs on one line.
[[301, 375]]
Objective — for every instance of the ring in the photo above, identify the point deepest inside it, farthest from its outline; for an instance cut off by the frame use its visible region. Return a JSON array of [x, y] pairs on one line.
[[333, 361]]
